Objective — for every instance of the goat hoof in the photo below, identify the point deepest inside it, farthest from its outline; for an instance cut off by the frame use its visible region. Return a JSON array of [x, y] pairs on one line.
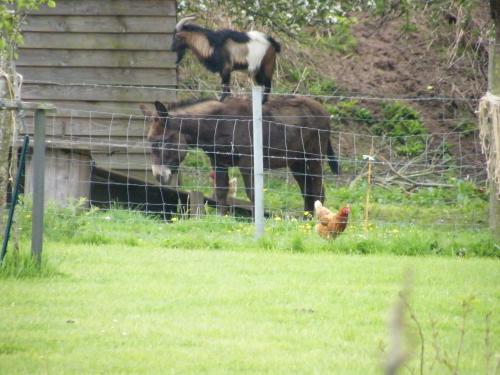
[[224, 96]]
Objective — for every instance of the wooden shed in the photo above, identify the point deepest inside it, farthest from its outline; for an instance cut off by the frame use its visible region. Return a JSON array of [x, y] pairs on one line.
[[103, 57]]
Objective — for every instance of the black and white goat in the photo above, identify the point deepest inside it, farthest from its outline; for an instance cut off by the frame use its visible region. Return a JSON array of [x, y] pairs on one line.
[[223, 51]]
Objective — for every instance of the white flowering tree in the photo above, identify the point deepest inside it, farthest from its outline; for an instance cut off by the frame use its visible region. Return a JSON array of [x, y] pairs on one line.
[[288, 16]]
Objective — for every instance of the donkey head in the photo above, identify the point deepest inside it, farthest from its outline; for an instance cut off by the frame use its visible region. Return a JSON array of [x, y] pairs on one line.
[[168, 144]]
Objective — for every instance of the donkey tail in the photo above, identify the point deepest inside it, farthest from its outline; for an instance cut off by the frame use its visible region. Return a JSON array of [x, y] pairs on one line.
[[333, 160]]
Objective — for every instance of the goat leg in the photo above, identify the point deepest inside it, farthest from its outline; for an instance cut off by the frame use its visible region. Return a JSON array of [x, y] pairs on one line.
[[226, 80], [262, 80]]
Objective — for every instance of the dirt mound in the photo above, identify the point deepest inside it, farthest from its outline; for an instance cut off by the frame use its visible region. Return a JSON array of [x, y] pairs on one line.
[[430, 61]]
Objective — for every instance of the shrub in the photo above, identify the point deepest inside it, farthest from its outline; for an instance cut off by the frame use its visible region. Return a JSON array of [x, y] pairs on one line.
[[350, 110], [404, 124]]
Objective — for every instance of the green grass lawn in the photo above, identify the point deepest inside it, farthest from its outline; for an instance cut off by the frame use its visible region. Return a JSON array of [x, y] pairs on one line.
[[121, 292], [118, 308]]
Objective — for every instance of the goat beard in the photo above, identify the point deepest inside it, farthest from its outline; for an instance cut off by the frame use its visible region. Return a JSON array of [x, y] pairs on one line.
[[180, 54]]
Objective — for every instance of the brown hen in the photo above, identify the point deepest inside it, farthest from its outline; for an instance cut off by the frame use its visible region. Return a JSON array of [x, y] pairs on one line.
[[330, 225]]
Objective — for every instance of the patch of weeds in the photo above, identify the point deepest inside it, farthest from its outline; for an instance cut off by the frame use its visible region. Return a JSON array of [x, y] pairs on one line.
[[466, 127], [215, 245], [340, 37], [363, 247], [6, 349], [266, 243], [307, 79], [92, 238], [23, 266], [350, 110], [295, 74], [322, 87], [173, 243], [60, 223], [131, 241], [409, 27], [181, 241], [297, 243], [404, 124]]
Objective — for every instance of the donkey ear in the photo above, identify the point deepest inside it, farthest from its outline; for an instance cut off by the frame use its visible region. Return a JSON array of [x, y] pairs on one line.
[[162, 113], [161, 109], [146, 112]]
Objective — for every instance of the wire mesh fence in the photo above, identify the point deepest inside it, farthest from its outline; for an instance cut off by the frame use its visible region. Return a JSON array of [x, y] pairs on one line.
[[429, 179]]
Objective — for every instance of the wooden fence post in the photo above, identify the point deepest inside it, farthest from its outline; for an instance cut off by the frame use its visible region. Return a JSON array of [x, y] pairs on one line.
[[196, 204], [5, 140], [489, 124]]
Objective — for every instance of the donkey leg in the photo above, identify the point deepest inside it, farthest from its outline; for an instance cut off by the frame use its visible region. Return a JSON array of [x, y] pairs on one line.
[[226, 81], [299, 171], [315, 185], [248, 181], [221, 189]]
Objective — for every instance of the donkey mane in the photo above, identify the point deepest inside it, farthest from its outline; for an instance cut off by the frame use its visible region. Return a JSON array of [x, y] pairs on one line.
[[203, 107], [240, 105], [185, 103]]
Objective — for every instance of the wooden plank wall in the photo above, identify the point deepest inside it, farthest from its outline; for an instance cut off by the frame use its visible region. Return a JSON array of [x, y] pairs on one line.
[[106, 42]]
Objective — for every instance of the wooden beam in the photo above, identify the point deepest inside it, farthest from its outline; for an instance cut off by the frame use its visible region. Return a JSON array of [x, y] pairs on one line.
[[97, 109], [111, 8], [12, 104], [96, 58], [108, 41], [99, 24], [34, 91], [116, 76], [96, 127]]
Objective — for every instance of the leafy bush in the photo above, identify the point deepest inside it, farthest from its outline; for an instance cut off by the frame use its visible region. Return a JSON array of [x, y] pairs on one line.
[[350, 110], [322, 87], [340, 38], [403, 123]]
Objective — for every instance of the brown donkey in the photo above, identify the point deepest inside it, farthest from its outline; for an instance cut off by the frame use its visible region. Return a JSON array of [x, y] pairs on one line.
[[296, 134]]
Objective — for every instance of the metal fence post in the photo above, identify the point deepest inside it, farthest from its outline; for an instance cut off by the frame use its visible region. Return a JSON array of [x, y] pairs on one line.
[[258, 163], [15, 194], [38, 185]]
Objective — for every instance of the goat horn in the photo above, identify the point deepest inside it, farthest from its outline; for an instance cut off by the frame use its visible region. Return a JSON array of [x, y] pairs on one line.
[[181, 23]]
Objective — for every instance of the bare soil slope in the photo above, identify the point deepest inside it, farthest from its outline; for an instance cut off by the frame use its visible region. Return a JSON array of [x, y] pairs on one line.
[[442, 59]]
